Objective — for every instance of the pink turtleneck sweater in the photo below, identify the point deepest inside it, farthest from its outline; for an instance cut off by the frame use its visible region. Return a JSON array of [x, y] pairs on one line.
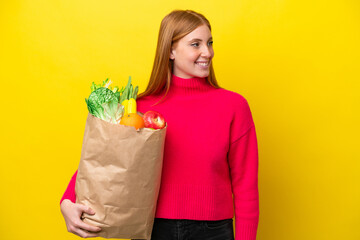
[[210, 168]]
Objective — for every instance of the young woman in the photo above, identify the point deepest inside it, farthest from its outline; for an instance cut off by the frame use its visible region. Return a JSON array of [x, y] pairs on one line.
[[210, 165]]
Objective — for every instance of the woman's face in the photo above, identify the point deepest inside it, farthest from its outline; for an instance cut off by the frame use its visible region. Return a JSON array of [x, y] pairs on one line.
[[192, 54]]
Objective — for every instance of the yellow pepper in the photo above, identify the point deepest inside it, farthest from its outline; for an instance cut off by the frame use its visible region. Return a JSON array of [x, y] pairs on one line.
[[132, 106], [129, 106], [125, 103], [128, 98]]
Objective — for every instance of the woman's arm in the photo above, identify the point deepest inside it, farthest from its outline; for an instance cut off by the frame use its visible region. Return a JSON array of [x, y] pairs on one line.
[[243, 161], [70, 190], [72, 213], [243, 165]]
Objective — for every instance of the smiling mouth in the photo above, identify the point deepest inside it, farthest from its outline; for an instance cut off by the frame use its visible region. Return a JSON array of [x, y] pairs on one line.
[[204, 64]]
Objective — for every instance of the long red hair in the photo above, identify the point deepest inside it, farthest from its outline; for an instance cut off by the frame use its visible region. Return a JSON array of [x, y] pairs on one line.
[[173, 27]]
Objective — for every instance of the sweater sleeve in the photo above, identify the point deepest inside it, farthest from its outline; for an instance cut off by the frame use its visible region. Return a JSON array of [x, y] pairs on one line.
[[70, 190], [243, 163]]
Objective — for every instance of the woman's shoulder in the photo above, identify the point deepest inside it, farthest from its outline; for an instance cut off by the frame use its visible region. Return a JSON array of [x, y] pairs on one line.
[[148, 102], [234, 98], [145, 100], [240, 111], [237, 105]]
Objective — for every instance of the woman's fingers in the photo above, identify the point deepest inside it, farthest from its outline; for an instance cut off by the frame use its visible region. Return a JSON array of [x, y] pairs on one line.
[[86, 209], [72, 213], [84, 234], [87, 227], [83, 226]]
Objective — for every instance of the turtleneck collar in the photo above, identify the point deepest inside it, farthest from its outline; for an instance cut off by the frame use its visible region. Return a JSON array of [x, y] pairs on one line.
[[189, 85]]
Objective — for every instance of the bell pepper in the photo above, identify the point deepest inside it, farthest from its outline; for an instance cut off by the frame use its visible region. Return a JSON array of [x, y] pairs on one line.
[[125, 103], [132, 106], [128, 98]]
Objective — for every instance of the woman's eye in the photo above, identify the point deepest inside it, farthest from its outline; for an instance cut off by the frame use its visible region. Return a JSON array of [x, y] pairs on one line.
[[197, 44]]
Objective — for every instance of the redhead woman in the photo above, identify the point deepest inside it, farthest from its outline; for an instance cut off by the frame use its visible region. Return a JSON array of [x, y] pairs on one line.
[[210, 164]]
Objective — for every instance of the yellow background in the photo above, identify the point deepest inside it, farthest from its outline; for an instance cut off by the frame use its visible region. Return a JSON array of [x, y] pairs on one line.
[[296, 62]]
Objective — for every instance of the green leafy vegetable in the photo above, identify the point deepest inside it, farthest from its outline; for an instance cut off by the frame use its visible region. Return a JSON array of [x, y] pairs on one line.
[[106, 84], [128, 92], [97, 98], [104, 101], [113, 111]]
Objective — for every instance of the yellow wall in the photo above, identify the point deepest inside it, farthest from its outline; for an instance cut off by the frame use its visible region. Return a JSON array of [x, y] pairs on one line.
[[294, 61]]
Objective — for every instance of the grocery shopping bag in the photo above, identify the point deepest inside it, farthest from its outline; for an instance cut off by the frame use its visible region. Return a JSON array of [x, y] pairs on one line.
[[119, 177]]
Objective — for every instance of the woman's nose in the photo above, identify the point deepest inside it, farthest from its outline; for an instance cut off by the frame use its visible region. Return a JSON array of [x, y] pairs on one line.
[[206, 52]]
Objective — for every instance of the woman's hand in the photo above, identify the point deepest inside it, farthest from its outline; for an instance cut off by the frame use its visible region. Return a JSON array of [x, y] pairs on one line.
[[72, 213]]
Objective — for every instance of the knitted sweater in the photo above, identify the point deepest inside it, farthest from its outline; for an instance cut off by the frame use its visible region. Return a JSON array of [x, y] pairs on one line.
[[210, 164]]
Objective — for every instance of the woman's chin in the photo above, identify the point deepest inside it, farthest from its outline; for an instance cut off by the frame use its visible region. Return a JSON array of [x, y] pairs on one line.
[[203, 75]]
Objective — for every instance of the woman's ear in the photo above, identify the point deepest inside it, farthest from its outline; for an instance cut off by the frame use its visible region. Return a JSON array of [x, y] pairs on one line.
[[173, 50], [172, 57]]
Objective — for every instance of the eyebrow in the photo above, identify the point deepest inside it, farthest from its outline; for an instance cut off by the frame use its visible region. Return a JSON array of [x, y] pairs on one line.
[[198, 39]]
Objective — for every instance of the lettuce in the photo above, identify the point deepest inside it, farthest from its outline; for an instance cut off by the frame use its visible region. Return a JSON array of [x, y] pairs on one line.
[[113, 111], [103, 102]]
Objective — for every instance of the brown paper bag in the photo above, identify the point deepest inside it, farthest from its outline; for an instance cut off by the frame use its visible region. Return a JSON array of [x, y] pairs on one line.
[[119, 177]]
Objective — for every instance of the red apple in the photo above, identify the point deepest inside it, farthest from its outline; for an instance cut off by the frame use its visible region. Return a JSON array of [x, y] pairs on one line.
[[153, 119]]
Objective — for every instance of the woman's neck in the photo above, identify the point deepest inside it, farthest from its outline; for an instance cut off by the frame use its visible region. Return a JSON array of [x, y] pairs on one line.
[[179, 85]]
